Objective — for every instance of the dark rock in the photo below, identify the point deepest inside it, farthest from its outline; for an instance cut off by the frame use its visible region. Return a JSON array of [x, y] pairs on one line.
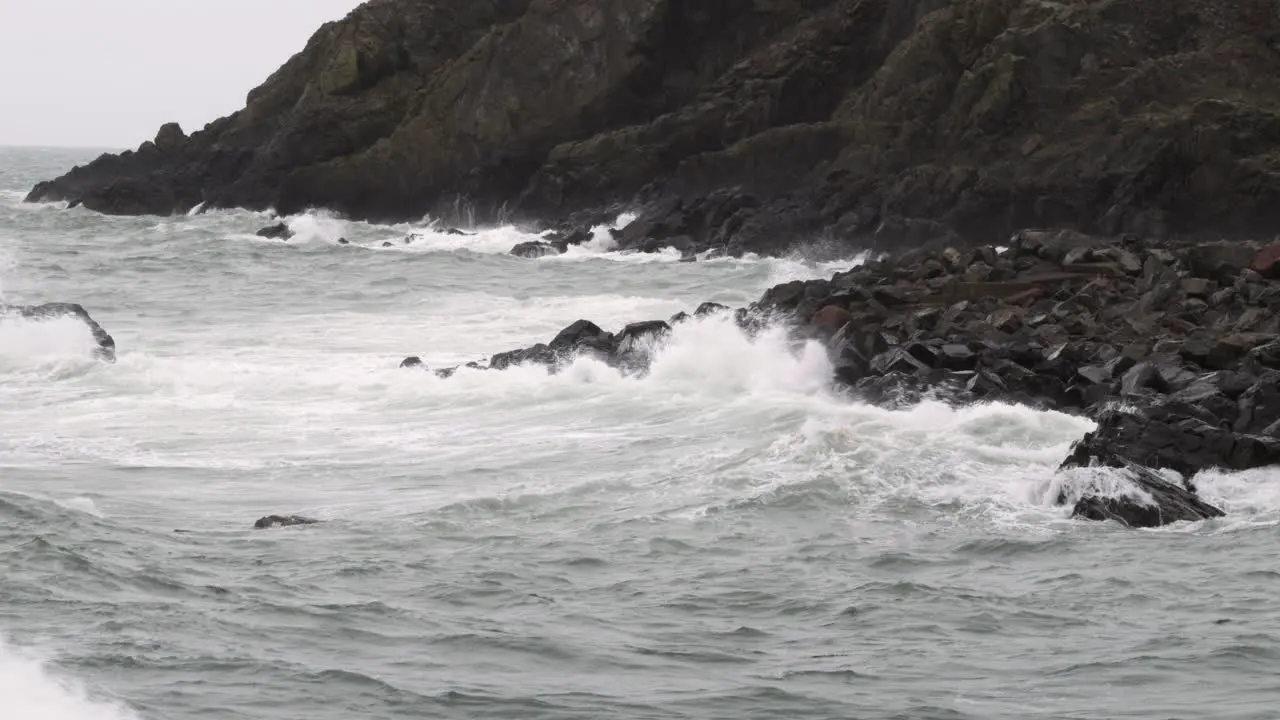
[[580, 334], [1259, 407], [830, 318], [106, 349], [1267, 262], [1197, 287], [535, 250], [537, 355], [1166, 503], [343, 241], [710, 308], [279, 231], [170, 138], [413, 361], [1172, 436], [274, 521], [752, 125], [1219, 261]]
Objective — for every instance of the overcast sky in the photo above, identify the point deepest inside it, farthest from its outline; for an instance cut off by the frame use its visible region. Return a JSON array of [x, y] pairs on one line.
[[108, 73]]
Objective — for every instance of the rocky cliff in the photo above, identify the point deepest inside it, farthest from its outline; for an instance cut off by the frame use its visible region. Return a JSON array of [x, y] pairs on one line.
[[741, 123]]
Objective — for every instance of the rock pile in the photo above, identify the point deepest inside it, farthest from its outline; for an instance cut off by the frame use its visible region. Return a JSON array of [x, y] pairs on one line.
[[1173, 349]]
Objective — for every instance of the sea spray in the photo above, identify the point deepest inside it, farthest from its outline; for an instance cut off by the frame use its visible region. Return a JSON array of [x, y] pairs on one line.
[[30, 690]]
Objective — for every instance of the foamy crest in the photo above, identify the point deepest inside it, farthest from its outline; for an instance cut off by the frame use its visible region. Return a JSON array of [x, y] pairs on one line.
[[317, 227], [30, 691], [29, 338]]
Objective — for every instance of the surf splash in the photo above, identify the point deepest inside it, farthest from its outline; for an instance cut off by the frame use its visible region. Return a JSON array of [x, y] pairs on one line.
[[30, 690]]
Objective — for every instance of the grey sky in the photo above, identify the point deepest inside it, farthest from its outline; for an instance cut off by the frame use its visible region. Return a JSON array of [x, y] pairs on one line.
[[108, 73]]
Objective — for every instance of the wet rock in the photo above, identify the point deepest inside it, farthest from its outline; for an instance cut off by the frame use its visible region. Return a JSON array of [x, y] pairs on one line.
[[830, 318], [710, 308], [1267, 262], [412, 361], [279, 231], [534, 250], [1164, 503], [583, 334], [275, 521], [639, 334], [539, 354], [1173, 436]]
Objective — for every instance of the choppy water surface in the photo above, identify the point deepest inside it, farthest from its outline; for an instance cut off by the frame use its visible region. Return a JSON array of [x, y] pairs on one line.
[[724, 538]]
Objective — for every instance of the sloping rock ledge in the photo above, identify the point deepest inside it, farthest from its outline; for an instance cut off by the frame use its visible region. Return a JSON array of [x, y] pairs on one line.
[[1173, 349]]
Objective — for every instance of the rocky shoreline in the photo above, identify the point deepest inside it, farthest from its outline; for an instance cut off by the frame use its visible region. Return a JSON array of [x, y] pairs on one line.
[[744, 126], [1172, 349]]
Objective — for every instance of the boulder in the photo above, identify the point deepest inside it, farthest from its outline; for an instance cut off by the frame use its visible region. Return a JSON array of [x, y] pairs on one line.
[[535, 250], [1158, 503], [1267, 262], [275, 521], [279, 231], [412, 361]]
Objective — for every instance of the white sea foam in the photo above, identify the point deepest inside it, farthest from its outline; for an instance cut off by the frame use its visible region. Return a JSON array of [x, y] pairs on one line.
[[27, 339], [29, 690]]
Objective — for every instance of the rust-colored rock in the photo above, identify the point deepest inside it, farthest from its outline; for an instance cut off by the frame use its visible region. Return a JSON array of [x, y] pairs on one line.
[[1267, 262], [831, 317]]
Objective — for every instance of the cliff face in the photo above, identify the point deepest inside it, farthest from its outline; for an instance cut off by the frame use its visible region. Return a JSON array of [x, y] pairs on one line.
[[740, 121]]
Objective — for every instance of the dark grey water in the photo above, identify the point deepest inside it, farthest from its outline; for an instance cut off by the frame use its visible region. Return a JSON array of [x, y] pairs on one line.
[[725, 538]]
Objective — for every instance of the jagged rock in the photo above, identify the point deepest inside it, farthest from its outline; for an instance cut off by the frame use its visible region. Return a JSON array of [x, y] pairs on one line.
[[1267, 262], [637, 334], [749, 126], [1165, 503], [279, 231], [274, 521], [534, 250], [710, 308], [583, 334], [170, 138], [538, 355], [1174, 436], [106, 345]]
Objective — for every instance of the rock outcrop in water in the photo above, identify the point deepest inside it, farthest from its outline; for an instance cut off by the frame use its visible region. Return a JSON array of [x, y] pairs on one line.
[[1173, 349], [748, 125], [106, 349], [275, 521]]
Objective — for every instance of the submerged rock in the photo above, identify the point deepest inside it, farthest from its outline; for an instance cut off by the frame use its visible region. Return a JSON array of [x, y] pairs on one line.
[[534, 250], [279, 231], [413, 361], [275, 521], [106, 349]]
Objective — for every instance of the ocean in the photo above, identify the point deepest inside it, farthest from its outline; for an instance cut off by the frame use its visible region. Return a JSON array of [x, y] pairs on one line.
[[725, 537]]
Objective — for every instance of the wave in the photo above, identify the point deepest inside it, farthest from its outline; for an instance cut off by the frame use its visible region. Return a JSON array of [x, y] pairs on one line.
[[30, 690], [44, 339]]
